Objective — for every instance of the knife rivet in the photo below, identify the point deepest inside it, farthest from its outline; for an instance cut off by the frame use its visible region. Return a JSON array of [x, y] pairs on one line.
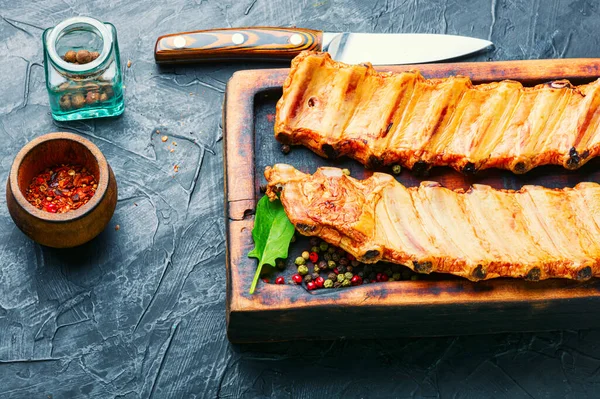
[[295, 39], [179, 41], [237, 38]]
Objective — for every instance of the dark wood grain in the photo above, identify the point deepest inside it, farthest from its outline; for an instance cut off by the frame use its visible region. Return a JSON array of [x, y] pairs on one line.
[[236, 44], [444, 306]]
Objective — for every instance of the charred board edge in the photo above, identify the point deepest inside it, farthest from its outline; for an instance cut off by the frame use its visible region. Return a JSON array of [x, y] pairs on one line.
[[461, 307]]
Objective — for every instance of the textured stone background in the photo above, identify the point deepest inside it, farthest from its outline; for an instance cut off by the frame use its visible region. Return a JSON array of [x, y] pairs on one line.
[[140, 312]]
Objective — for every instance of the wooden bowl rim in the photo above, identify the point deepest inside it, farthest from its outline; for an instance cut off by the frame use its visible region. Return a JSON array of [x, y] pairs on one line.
[[67, 216]]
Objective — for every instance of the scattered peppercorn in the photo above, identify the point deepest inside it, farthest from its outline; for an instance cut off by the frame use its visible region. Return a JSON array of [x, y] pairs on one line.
[[306, 255], [340, 278], [331, 250], [315, 249], [396, 169], [280, 280], [356, 280], [328, 283], [348, 275], [302, 270], [327, 256], [308, 278], [311, 286], [344, 262], [341, 269], [313, 256], [299, 261], [346, 172], [332, 276], [293, 238], [335, 257], [331, 264], [316, 269], [323, 246], [337, 284], [285, 149], [322, 265], [355, 263], [349, 269], [280, 264], [346, 283], [296, 278], [320, 281], [397, 276]]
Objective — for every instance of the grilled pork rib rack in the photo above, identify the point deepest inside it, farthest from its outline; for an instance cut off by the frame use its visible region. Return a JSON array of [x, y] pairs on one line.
[[378, 118], [534, 233]]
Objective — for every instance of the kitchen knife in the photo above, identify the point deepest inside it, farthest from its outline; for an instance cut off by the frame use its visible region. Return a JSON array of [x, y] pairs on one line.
[[270, 43]]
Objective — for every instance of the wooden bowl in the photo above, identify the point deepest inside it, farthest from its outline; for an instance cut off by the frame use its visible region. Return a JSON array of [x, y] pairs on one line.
[[61, 230]]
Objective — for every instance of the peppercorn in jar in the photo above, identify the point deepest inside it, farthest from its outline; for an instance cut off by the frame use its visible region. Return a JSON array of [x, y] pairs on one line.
[[83, 72]]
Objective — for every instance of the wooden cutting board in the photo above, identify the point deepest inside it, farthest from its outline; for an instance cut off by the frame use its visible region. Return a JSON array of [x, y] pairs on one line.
[[442, 305]]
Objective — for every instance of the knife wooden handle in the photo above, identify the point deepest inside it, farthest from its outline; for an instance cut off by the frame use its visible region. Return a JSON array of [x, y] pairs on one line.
[[258, 43]]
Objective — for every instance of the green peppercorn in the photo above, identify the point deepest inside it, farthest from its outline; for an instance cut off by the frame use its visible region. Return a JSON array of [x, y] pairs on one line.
[[323, 246], [414, 277], [346, 171], [331, 264], [396, 169], [397, 276], [346, 283], [340, 278], [316, 269], [335, 257], [332, 276], [302, 270], [315, 249], [331, 250], [328, 283], [322, 265], [348, 275], [308, 278], [293, 238], [388, 272], [300, 261], [306, 255], [391, 279], [327, 257]]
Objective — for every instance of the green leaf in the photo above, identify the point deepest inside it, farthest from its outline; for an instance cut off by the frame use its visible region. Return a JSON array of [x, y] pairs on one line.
[[272, 234]]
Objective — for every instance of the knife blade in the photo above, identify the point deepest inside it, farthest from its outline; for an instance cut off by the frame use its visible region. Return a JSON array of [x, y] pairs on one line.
[[272, 43]]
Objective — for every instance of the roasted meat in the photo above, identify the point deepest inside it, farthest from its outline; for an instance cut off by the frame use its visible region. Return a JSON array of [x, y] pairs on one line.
[[385, 118], [535, 233]]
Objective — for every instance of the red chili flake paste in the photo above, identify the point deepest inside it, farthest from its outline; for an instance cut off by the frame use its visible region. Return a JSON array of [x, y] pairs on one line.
[[61, 188]]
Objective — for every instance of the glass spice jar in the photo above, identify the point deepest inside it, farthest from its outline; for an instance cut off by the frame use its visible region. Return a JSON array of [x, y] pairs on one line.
[[83, 69]]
